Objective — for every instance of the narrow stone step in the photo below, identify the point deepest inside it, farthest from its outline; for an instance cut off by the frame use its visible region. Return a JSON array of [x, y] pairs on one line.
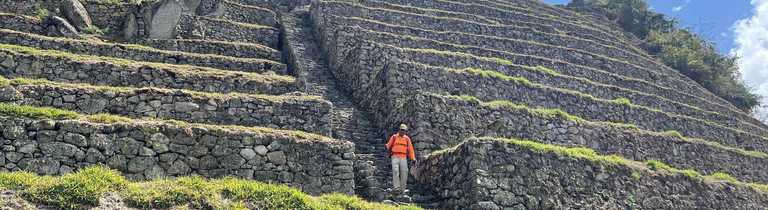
[[140, 53], [57, 142], [233, 49], [18, 61], [305, 113], [199, 27]]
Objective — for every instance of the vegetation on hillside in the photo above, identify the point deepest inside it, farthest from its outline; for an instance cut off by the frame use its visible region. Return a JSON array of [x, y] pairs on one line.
[[87, 186], [678, 48]]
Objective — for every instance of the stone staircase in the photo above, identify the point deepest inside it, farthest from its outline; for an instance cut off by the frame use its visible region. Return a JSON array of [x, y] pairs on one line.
[[372, 168]]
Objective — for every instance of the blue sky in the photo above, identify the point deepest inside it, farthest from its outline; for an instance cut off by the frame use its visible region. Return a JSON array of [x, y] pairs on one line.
[[712, 19], [734, 26]]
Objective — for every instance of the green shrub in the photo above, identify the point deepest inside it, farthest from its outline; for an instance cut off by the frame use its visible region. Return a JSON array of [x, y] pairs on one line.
[[93, 30]]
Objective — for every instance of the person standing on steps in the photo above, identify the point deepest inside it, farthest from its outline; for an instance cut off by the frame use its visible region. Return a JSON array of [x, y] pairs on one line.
[[400, 147]]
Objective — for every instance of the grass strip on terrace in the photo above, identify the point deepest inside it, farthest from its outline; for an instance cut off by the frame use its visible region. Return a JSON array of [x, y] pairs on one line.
[[674, 80], [534, 31], [181, 69], [585, 96], [4, 82], [133, 47], [85, 187], [592, 156], [48, 113], [495, 20], [562, 115], [550, 71]]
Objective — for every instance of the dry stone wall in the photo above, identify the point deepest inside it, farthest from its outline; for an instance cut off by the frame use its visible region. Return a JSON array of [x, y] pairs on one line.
[[242, 50], [199, 27], [22, 23], [143, 150], [375, 80], [304, 113], [234, 11], [493, 174], [95, 70], [472, 82], [441, 122], [665, 76], [140, 53]]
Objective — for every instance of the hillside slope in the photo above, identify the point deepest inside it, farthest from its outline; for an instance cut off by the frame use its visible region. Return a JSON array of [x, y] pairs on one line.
[[304, 93]]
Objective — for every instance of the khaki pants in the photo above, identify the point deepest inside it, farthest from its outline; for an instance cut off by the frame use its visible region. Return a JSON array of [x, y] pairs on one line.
[[399, 172]]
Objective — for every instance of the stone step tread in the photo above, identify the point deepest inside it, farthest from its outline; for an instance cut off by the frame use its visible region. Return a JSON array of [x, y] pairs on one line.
[[140, 53]]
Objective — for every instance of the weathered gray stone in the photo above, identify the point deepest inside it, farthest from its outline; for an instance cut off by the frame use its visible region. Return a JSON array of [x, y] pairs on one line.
[[60, 26], [159, 142], [278, 158], [75, 12], [155, 172], [185, 106], [139, 164], [261, 150], [130, 27], [164, 19], [58, 149], [232, 161], [75, 139], [179, 168], [45, 166], [247, 153]]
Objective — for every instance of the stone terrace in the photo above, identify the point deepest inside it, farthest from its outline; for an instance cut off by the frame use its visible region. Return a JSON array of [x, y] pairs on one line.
[[490, 173], [454, 71], [186, 89], [305, 93]]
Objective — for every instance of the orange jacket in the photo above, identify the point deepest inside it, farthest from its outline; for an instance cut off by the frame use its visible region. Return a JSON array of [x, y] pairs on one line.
[[401, 146]]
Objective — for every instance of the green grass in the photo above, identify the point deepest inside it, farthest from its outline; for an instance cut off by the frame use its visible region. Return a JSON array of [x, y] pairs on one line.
[[93, 30], [84, 188], [723, 176], [36, 112], [72, 191], [4, 82]]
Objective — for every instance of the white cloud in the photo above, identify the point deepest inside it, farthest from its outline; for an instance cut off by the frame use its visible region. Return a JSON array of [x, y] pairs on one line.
[[751, 38], [677, 8]]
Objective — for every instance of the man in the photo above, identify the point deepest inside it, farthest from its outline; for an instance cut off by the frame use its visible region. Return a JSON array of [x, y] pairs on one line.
[[400, 147]]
